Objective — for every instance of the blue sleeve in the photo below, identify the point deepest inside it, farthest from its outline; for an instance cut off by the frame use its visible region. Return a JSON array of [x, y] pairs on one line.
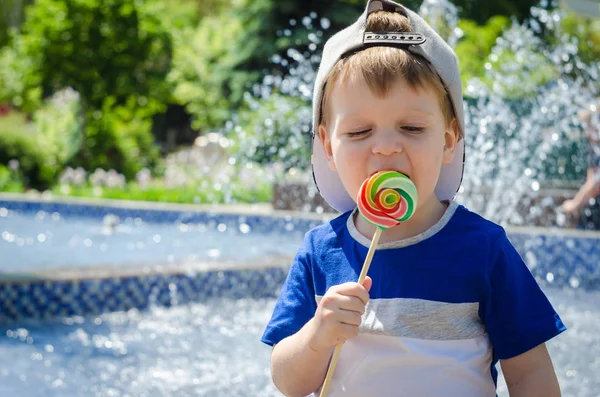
[[296, 303], [517, 313]]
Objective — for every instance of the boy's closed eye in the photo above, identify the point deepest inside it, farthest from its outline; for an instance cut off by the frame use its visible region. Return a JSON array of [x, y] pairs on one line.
[[412, 129], [358, 134]]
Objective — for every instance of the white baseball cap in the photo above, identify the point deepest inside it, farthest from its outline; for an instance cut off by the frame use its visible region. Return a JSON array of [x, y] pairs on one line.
[[424, 41]]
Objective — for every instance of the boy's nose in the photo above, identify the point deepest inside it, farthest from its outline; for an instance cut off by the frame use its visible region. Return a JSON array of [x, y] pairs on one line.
[[387, 143]]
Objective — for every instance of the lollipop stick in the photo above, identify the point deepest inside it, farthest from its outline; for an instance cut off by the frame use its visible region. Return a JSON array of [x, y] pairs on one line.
[[367, 264], [361, 279]]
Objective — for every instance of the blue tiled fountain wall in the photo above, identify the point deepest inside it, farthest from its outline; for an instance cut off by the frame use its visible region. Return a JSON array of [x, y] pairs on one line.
[[561, 259]]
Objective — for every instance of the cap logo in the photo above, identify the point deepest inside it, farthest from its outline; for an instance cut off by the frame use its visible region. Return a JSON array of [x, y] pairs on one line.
[[393, 38]]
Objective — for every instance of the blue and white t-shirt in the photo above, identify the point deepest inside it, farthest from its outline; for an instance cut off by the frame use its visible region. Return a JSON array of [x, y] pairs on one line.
[[444, 307]]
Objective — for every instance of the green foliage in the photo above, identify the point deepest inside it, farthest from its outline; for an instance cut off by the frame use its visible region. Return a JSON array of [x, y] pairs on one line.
[[510, 59], [207, 74], [261, 192], [529, 60], [20, 80], [14, 122], [11, 16], [58, 126], [181, 13], [42, 148], [106, 50], [526, 75], [100, 48], [186, 13], [21, 145], [476, 44], [587, 33], [5, 177], [9, 181], [119, 136]]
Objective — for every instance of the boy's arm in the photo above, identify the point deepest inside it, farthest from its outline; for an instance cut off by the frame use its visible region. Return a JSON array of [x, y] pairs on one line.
[[299, 362], [296, 368], [531, 374]]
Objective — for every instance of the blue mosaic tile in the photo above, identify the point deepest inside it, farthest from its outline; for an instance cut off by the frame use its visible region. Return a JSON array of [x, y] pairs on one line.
[[571, 261], [48, 299]]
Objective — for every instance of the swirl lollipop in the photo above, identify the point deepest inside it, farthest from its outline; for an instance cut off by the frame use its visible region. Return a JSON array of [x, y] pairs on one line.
[[386, 199]]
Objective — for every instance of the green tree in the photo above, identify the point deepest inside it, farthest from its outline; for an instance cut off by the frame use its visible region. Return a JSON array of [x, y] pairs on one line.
[[100, 48], [475, 46], [210, 66], [115, 53], [11, 17]]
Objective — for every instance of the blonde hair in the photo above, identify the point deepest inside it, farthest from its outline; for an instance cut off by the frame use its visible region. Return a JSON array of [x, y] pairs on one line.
[[380, 67]]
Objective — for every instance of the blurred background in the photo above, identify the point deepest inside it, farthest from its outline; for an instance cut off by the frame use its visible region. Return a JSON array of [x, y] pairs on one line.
[[208, 101]]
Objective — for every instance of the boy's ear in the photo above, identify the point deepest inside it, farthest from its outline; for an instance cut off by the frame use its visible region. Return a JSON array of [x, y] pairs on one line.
[[451, 138], [324, 136]]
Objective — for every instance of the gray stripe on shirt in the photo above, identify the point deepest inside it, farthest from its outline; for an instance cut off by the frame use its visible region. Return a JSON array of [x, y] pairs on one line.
[[422, 319]]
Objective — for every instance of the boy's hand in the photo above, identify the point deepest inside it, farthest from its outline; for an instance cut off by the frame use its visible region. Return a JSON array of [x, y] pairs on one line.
[[338, 315]]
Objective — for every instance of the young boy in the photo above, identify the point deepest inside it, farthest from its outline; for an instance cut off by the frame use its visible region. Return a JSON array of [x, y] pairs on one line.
[[448, 296]]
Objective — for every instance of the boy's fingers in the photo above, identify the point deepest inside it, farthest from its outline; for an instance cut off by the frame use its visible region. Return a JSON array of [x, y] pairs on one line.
[[343, 302], [355, 289], [352, 303], [349, 317]]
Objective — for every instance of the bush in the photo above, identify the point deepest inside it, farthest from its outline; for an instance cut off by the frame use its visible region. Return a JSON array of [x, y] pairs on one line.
[[209, 74], [106, 50], [20, 81], [120, 137], [100, 48], [43, 147], [32, 167], [58, 125], [9, 180]]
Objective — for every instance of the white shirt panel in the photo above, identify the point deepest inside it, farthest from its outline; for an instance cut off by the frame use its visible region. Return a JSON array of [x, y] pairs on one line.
[[389, 366]]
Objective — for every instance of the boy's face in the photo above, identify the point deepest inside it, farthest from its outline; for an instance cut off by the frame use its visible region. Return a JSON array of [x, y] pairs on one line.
[[404, 131]]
